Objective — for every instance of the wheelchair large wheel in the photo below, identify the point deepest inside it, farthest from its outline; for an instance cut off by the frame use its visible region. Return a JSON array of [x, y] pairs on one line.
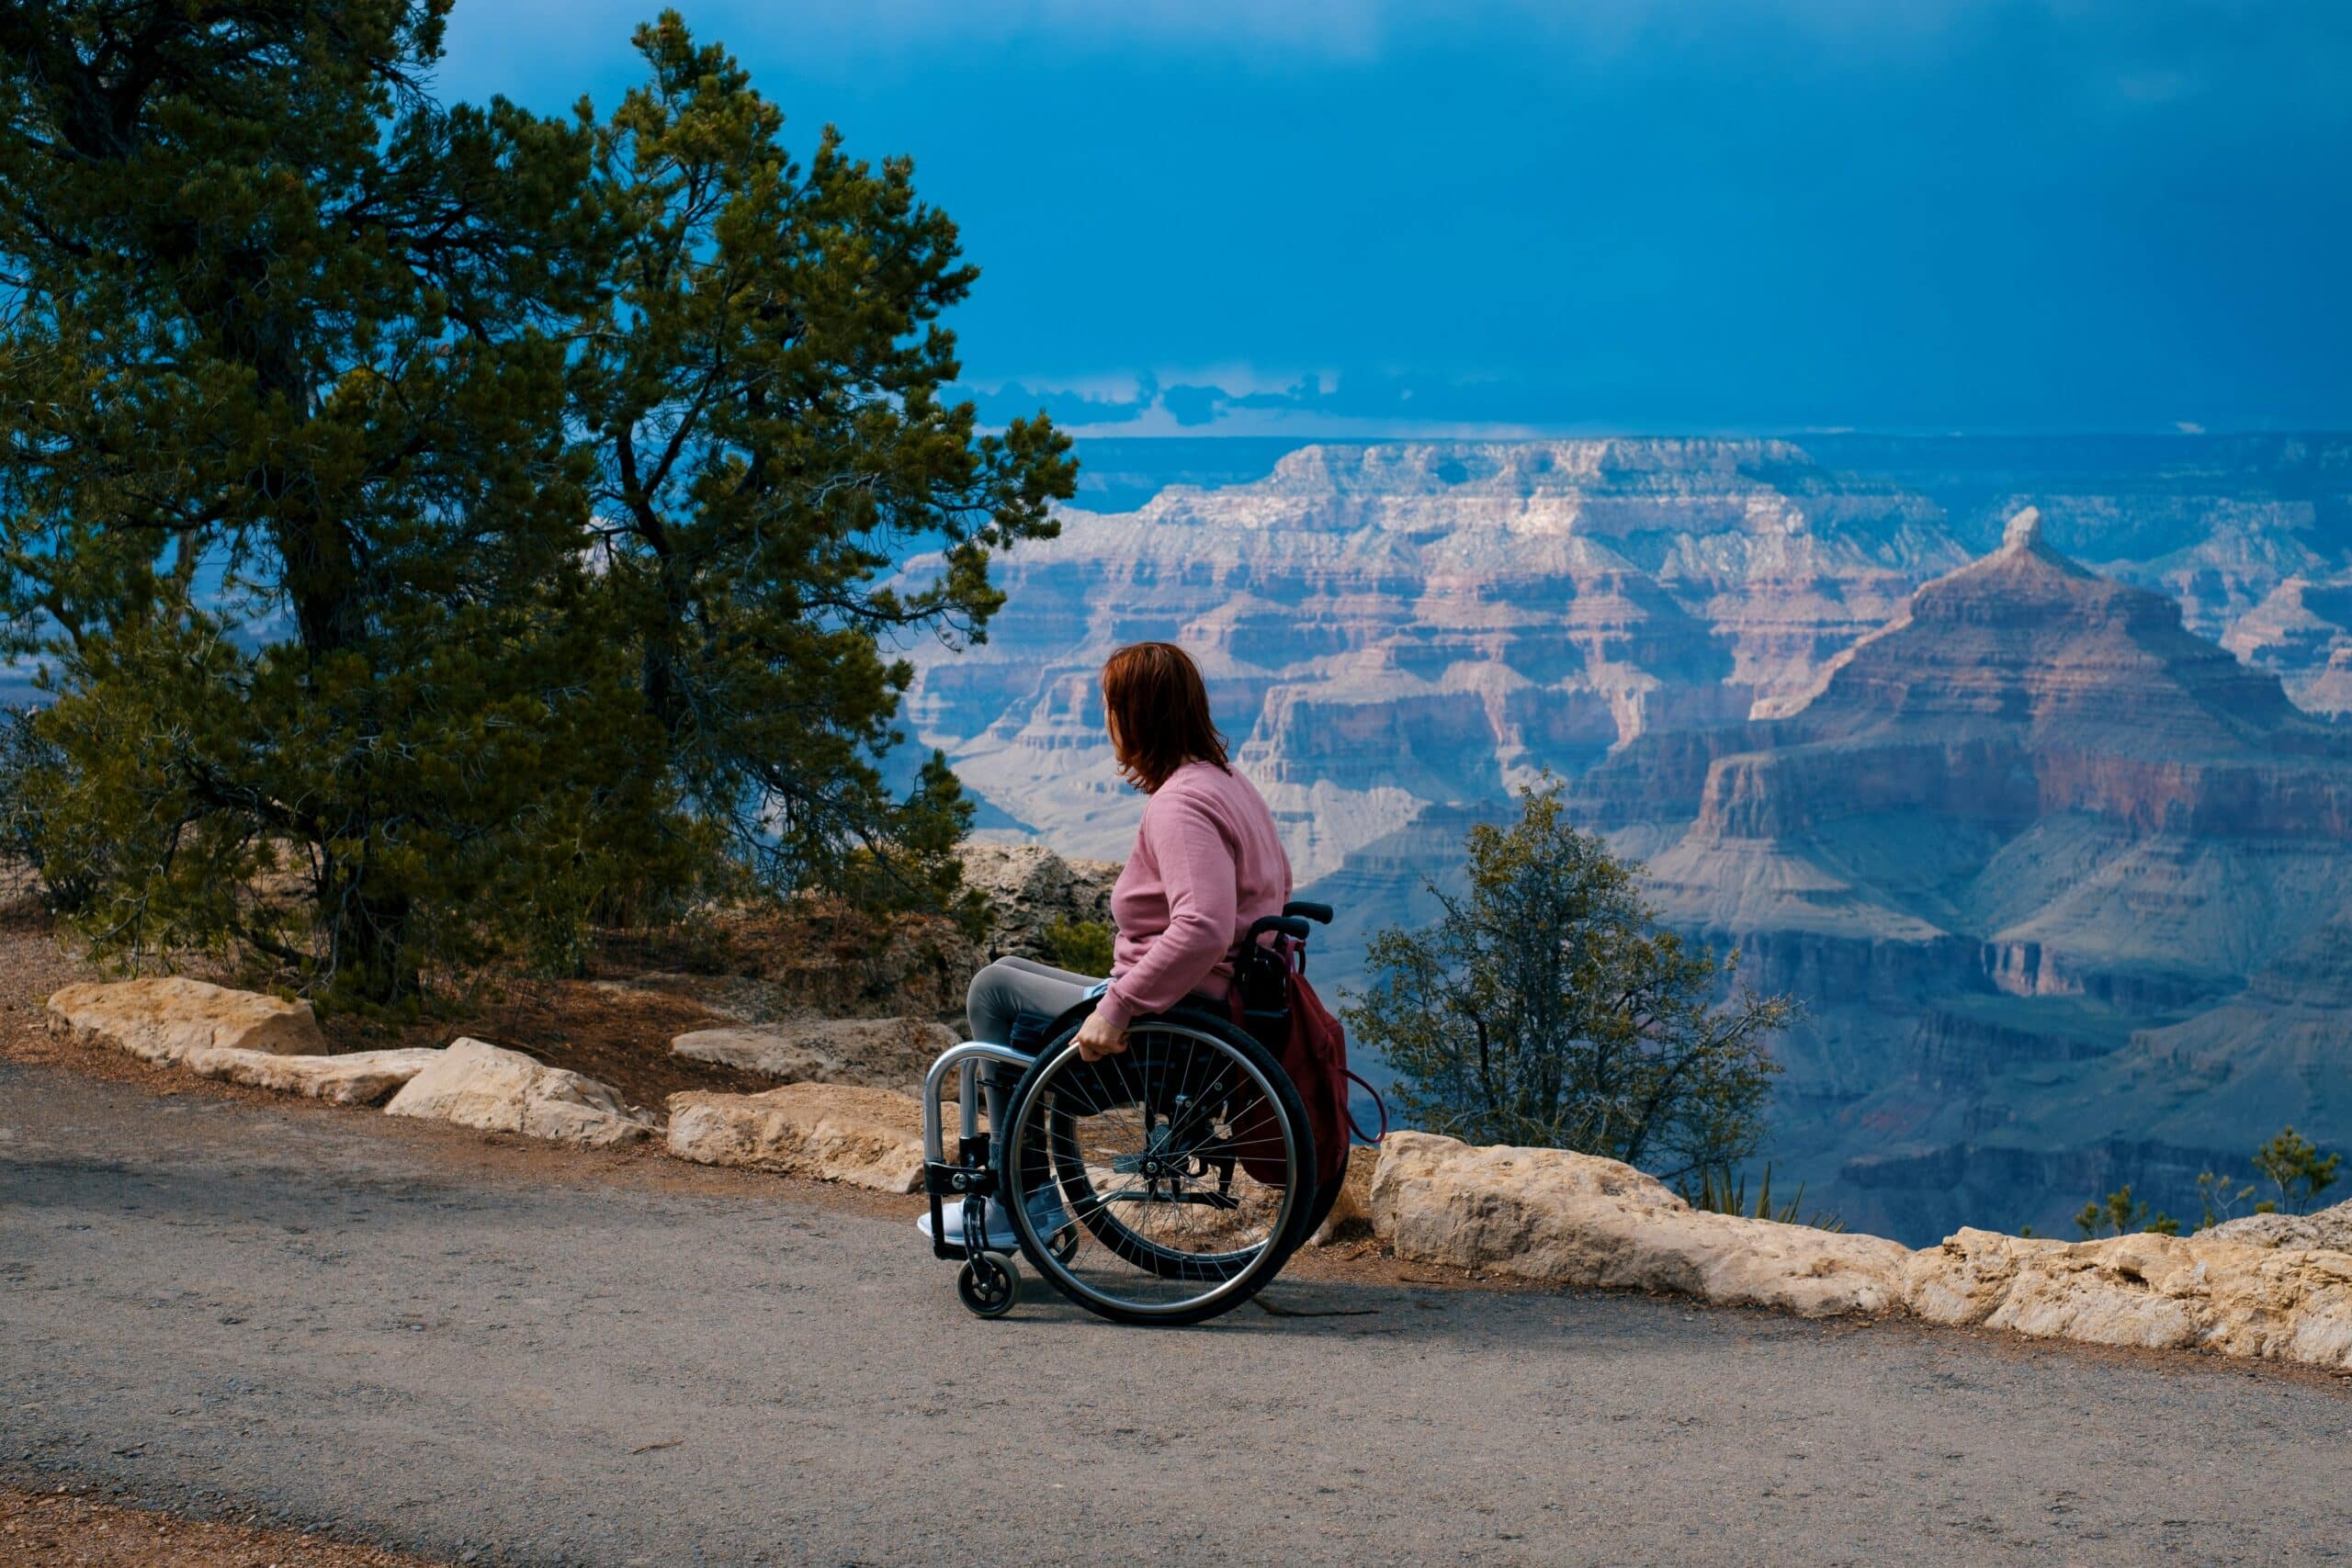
[[1184, 1165]]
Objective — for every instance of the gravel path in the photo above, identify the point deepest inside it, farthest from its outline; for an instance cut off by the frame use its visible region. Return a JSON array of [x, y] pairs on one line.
[[430, 1341]]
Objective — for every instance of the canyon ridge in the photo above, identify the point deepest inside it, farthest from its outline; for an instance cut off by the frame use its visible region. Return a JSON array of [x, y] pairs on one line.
[[2051, 852]]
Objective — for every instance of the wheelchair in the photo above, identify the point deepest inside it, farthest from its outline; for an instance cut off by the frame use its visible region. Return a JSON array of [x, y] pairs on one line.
[[1162, 1185]]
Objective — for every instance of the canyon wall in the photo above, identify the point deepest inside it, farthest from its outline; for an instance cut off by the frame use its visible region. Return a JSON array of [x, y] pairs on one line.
[[2031, 845]]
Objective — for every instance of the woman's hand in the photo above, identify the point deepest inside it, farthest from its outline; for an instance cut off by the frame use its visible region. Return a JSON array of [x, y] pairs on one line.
[[1097, 1039]]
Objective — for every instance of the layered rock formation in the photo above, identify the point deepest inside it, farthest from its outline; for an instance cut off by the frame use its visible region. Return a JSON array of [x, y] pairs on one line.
[[2303, 632], [2061, 884], [1388, 627], [2112, 858]]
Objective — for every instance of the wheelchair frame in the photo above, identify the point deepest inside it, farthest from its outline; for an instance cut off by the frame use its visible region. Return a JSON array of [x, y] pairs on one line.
[[989, 1280]]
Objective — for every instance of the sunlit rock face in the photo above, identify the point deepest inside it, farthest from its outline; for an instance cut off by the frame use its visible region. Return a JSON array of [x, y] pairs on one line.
[[2033, 847], [2303, 631], [2063, 887], [1389, 627]]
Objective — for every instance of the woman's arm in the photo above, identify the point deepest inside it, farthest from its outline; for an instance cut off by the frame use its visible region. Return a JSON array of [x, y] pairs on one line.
[[1197, 870]]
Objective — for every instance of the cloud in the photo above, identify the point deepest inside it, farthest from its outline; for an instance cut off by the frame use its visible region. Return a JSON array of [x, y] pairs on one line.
[[1246, 403]]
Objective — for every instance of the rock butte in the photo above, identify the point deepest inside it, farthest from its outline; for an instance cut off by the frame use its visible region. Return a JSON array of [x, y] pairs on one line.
[[2062, 885], [2082, 857]]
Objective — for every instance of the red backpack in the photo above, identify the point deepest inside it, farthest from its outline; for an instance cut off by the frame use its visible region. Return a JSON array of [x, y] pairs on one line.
[[1312, 1050]]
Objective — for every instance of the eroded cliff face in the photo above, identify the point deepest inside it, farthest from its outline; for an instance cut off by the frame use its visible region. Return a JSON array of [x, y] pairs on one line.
[[2029, 855], [2030, 844], [1387, 627]]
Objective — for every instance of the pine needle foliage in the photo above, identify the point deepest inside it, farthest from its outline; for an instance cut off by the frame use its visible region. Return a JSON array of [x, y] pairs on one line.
[[1548, 1007], [446, 526]]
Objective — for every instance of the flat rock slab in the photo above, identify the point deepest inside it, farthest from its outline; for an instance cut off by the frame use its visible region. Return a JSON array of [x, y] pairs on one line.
[[866, 1137], [2206, 1291], [873, 1053], [475, 1084], [1566, 1218], [165, 1018], [360, 1077]]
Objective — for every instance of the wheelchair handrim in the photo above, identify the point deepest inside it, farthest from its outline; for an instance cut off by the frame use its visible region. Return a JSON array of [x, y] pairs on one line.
[[1268, 1253]]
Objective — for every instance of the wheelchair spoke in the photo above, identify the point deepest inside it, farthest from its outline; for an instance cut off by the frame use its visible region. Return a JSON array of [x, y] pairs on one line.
[[1148, 1153]]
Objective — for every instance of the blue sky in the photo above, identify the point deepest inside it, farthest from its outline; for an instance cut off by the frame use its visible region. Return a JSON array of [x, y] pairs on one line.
[[1356, 218]]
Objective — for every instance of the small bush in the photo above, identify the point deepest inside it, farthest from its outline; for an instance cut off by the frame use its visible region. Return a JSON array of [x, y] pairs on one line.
[[33, 776], [2119, 1215], [2220, 1196], [2298, 1171], [1718, 1192], [1083, 947]]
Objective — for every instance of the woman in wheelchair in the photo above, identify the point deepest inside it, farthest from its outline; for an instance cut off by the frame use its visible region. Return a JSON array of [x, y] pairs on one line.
[[1142, 1118]]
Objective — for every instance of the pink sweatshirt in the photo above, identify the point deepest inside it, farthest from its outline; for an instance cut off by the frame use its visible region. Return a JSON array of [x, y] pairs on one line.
[[1206, 863]]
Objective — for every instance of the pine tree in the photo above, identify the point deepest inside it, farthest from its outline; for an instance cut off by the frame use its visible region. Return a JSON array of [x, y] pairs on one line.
[[763, 381], [442, 523], [1546, 1007]]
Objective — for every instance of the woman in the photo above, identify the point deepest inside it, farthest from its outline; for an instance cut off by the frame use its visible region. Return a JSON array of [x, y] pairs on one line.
[[1206, 863]]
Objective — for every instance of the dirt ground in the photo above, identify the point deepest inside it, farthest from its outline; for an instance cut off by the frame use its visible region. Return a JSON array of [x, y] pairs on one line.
[[614, 1024], [63, 1529]]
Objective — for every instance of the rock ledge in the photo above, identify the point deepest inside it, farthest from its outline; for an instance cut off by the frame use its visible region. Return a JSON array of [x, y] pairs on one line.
[[165, 1018]]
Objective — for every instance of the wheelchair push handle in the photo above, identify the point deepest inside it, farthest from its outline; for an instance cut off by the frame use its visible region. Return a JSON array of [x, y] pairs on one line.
[[1287, 925], [1319, 913]]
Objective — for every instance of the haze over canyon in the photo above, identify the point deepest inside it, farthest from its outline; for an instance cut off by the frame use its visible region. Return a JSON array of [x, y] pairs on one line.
[[2015, 760]]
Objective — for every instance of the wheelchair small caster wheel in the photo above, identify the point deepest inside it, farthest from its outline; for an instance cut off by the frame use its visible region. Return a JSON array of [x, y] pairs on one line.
[[990, 1284]]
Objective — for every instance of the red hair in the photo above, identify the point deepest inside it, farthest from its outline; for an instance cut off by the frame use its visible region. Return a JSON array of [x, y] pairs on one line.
[[1158, 710]]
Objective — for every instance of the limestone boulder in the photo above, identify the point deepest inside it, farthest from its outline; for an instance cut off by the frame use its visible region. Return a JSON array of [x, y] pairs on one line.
[[2283, 1303], [1965, 1281], [165, 1018], [2330, 1228], [2143, 1290], [475, 1084], [864, 1136], [2159, 1292], [1029, 887], [1566, 1218], [359, 1078], [872, 1053]]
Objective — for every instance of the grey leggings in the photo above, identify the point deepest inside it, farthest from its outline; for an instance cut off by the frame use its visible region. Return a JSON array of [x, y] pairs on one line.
[[1002, 992], [1010, 987]]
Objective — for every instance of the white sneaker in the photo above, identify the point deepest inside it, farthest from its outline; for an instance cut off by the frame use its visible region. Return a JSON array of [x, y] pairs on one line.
[[1045, 1207], [1001, 1236]]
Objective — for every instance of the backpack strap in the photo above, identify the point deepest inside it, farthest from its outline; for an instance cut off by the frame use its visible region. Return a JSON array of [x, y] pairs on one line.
[[1353, 1126]]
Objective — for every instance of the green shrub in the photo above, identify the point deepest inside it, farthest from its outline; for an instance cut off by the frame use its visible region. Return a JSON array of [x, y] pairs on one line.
[[1081, 946], [2119, 1215], [1718, 1192], [2298, 1171], [1548, 1007]]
